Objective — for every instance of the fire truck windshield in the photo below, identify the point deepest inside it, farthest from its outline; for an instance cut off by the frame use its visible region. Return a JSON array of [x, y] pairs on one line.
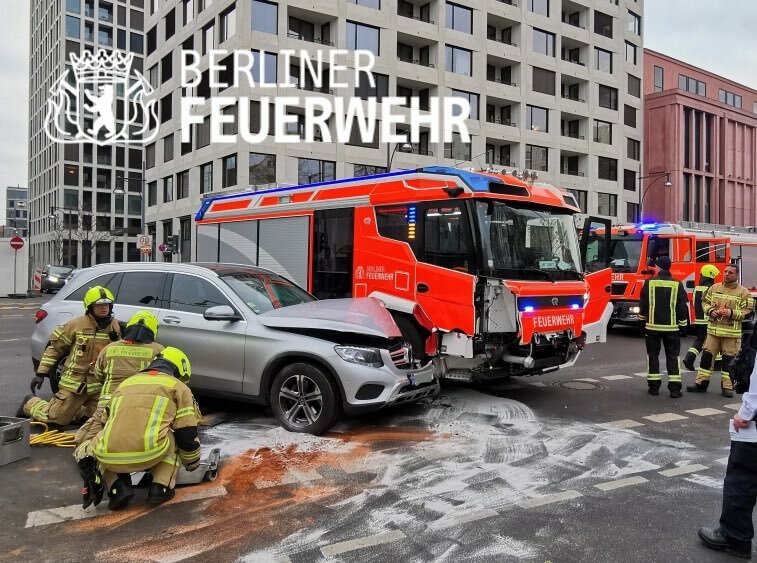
[[625, 253], [521, 242]]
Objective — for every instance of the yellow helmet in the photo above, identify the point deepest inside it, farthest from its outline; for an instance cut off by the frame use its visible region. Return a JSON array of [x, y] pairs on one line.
[[98, 295], [709, 271], [146, 319], [179, 360]]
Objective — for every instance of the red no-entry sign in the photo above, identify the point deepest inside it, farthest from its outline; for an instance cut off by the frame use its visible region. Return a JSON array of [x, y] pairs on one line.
[[17, 243]]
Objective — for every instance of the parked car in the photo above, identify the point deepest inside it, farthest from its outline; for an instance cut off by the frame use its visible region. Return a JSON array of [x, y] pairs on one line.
[[253, 335], [54, 277]]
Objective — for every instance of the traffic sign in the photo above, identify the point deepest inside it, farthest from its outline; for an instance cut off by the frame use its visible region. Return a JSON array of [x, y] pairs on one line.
[[146, 251], [162, 247], [17, 243], [144, 241]]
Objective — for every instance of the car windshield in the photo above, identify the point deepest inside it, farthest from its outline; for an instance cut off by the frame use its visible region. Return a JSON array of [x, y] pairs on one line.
[[625, 253], [59, 270], [526, 243], [264, 292]]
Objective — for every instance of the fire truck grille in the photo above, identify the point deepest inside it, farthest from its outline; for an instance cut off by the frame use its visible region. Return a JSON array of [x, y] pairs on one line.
[[401, 355]]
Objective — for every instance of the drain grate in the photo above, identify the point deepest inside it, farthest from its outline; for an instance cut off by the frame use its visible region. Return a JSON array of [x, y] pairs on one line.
[[575, 385]]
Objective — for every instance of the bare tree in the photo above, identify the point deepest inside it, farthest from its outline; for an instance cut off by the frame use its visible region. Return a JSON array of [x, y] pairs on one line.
[[81, 227]]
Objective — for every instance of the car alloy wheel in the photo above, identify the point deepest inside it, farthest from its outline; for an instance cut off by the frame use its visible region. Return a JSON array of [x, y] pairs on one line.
[[301, 400]]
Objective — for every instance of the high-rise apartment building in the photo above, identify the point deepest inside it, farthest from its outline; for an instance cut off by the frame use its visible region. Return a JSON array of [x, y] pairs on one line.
[[554, 86], [71, 186], [16, 213]]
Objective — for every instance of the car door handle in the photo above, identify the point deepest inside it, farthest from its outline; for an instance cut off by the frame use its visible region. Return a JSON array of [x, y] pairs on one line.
[[422, 288], [172, 320]]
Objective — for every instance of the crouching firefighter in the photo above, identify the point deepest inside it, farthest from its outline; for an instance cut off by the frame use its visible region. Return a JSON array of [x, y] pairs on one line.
[[120, 360], [664, 307], [81, 340], [151, 425], [706, 279]]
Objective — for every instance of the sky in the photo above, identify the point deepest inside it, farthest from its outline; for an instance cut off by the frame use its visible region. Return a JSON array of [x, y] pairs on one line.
[[699, 32]]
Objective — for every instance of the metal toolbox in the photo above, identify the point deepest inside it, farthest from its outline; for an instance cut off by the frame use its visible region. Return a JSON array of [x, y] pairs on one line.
[[14, 439]]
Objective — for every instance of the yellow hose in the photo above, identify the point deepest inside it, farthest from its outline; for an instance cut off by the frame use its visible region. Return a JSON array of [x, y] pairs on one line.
[[52, 437]]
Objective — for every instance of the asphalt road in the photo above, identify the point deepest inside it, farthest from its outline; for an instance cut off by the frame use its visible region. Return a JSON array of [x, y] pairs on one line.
[[567, 467]]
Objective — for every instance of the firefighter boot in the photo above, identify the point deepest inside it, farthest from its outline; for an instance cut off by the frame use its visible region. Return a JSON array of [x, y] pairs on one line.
[[120, 492], [158, 494], [688, 361], [675, 390], [699, 387], [654, 387], [726, 387]]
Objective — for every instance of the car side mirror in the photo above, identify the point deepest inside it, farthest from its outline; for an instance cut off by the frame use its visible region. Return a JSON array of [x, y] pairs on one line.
[[220, 313]]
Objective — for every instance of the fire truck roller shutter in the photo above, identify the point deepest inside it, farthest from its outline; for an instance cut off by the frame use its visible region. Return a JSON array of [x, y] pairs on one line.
[[239, 242], [284, 247], [207, 243]]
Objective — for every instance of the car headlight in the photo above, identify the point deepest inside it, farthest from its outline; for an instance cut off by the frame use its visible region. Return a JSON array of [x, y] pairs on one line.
[[636, 310], [52, 278], [370, 357]]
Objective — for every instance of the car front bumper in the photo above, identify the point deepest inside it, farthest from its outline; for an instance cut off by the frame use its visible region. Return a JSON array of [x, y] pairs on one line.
[[626, 313]]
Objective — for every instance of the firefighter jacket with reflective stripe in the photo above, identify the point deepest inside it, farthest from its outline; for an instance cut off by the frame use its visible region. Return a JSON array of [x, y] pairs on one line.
[[142, 413], [119, 360], [727, 296], [700, 317], [664, 305], [82, 340]]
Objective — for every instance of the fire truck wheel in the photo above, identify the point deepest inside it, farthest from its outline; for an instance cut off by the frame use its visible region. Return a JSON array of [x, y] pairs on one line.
[[412, 335], [304, 399]]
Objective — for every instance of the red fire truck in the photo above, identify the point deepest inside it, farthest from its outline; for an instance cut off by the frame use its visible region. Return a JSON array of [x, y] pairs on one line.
[[480, 270], [634, 249]]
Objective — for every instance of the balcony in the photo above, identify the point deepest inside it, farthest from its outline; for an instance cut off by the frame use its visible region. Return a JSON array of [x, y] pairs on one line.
[[573, 135], [512, 3], [304, 37], [571, 172], [500, 121], [575, 98], [412, 61], [415, 10]]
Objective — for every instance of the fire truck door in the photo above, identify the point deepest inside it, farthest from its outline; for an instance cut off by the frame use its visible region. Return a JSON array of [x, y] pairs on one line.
[[596, 239], [683, 260]]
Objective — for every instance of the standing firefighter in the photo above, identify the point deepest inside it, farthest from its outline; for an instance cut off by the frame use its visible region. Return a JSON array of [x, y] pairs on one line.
[[151, 426], [664, 307], [120, 360], [706, 279], [726, 304], [81, 339]]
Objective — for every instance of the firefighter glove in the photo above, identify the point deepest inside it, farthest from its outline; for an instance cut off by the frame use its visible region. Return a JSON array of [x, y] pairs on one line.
[[93, 488], [37, 382]]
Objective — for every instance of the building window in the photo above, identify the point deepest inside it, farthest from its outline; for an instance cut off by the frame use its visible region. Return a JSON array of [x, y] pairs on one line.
[[229, 171], [602, 24], [629, 116], [168, 148], [311, 171], [73, 6], [207, 38], [633, 149], [361, 36], [632, 212], [544, 42], [457, 150], [187, 11], [185, 238], [105, 36], [182, 185], [634, 86], [729, 98], [459, 18], [380, 90], [631, 53], [152, 193], [608, 97], [634, 23], [262, 169], [607, 169], [72, 27], [264, 68], [458, 60], [166, 68], [629, 180], [692, 85], [602, 132], [537, 118], [539, 7], [607, 204], [472, 100], [206, 178], [168, 189], [170, 24], [581, 198], [265, 16], [150, 155], [543, 81], [228, 21], [659, 75], [602, 60], [360, 170], [375, 4], [166, 108], [536, 158]]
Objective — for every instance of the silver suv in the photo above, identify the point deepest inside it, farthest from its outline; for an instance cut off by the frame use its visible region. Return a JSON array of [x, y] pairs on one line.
[[251, 334]]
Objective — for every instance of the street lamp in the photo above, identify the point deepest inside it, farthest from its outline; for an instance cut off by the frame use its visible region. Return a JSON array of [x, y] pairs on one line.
[[643, 194], [121, 191], [53, 211], [403, 147]]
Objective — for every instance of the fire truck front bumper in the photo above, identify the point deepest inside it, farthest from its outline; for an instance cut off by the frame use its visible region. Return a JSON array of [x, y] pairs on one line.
[[625, 313]]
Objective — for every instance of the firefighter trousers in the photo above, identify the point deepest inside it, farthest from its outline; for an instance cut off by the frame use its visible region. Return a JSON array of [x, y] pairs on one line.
[[655, 341], [700, 334], [713, 346], [739, 493], [94, 424], [63, 408]]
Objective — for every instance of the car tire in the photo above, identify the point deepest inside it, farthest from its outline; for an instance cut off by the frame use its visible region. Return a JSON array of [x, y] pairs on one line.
[[412, 336], [317, 414], [56, 373]]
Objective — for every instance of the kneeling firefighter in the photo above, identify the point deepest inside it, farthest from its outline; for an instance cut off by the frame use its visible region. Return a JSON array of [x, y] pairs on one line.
[[120, 360], [151, 426]]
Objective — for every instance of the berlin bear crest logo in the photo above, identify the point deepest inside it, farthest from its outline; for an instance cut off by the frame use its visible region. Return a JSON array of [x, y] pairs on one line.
[[98, 100]]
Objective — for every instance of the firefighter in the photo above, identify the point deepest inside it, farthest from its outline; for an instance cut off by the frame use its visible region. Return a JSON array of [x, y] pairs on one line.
[[706, 278], [664, 308], [119, 360], [725, 304], [81, 339], [151, 425]]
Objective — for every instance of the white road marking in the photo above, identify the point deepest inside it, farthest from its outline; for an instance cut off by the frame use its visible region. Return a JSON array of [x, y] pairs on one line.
[[264, 557], [683, 470], [537, 383], [549, 499], [625, 423], [705, 412], [722, 461], [641, 373], [12, 339], [587, 380], [665, 417], [462, 517], [616, 377], [733, 406], [610, 485], [360, 543], [76, 512]]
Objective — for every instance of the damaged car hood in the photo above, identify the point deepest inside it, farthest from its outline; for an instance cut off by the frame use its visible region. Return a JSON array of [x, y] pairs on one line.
[[365, 315]]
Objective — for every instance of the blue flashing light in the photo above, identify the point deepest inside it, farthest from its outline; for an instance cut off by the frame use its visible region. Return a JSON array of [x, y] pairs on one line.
[[648, 226], [476, 182], [528, 309], [575, 306]]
